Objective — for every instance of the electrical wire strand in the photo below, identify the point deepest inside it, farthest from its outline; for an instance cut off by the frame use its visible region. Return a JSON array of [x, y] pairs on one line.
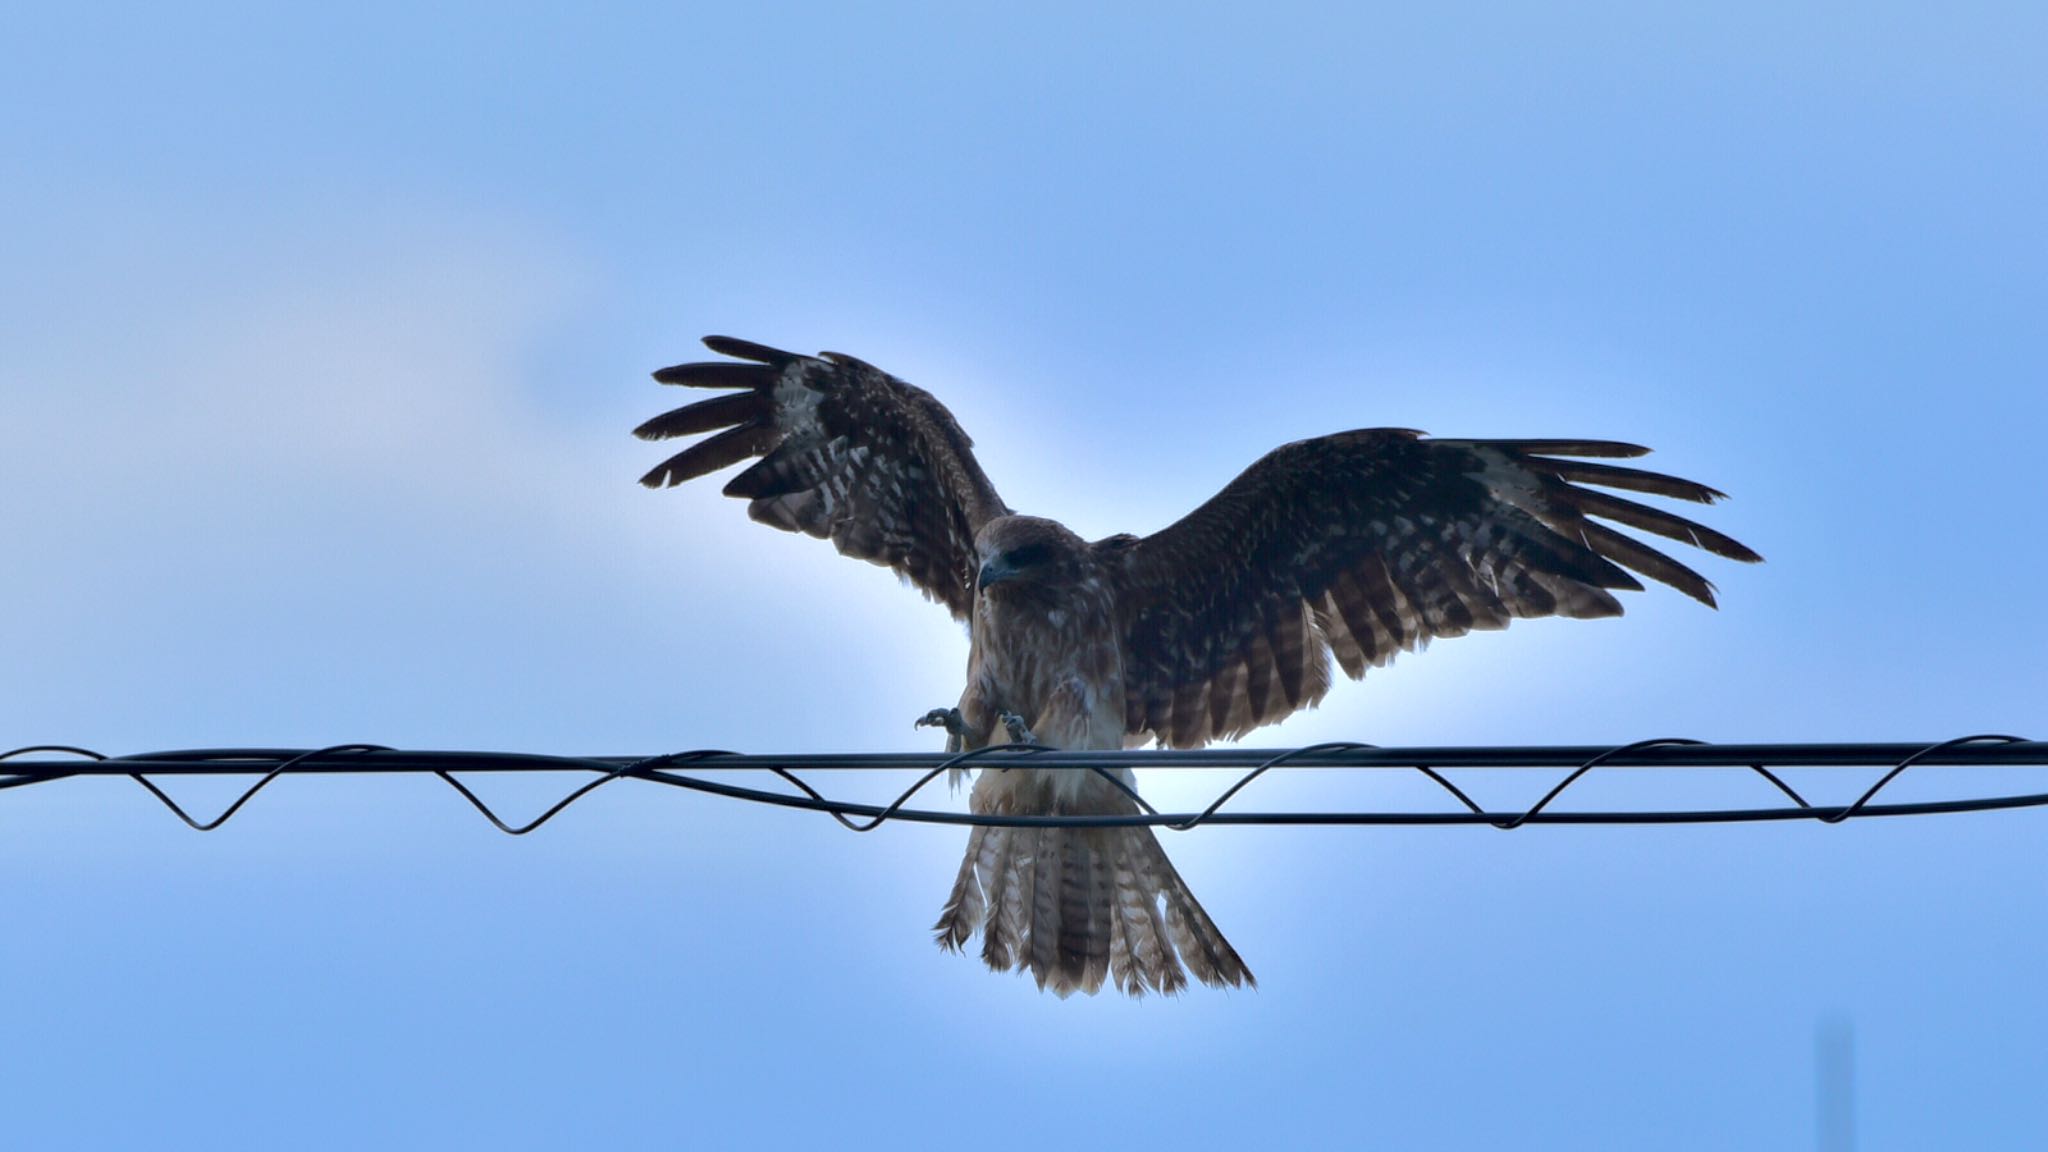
[[48, 763]]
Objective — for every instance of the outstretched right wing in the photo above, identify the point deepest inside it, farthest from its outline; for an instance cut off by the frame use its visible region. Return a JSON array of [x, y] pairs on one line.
[[1367, 543], [847, 453]]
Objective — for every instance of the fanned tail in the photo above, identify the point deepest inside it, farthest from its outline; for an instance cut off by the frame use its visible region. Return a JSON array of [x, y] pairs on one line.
[[1081, 906]]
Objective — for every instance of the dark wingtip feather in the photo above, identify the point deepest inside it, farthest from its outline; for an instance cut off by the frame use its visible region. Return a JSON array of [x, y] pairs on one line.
[[1649, 561], [1630, 479], [1592, 502], [1724, 546], [716, 374], [748, 350], [706, 415], [727, 448], [1596, 448]]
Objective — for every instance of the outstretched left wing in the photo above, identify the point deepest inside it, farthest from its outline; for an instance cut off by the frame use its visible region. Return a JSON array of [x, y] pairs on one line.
[[1364, 544], [847, 453]]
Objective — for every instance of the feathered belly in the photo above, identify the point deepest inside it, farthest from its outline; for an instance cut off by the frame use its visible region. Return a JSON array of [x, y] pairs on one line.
[[1061, 671], [1076, 906]]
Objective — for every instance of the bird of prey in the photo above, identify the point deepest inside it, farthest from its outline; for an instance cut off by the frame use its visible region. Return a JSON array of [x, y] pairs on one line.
[[1353, 546]]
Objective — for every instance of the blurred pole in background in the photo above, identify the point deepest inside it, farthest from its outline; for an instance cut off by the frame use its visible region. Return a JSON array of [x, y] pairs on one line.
[[1834, 1084]]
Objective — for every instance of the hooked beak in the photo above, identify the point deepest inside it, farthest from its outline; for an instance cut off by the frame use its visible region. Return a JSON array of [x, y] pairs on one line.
[[993, 572]]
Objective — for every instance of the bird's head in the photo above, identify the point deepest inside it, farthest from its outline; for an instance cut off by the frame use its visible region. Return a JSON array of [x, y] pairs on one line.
[[1024, 552]]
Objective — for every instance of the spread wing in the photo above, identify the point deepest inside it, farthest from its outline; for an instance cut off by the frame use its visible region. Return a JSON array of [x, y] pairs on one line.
[[847, 453], [1368, 543]]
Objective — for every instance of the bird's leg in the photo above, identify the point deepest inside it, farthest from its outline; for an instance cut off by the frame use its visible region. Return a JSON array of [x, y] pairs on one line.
[[947, 718], [1019, 732]]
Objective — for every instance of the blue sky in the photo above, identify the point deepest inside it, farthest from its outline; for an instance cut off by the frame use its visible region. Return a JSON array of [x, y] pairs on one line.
[[321, 334]]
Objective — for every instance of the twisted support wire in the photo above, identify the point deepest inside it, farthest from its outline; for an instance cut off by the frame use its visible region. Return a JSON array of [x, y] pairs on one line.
[[1863, 801], [33, 765]]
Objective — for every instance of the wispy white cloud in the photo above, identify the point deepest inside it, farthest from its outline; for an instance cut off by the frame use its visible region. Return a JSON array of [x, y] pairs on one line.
[[352, 467]]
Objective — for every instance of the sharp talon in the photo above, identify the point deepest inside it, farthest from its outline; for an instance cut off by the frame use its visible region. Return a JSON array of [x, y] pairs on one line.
[[947, 718], [1020, 733]]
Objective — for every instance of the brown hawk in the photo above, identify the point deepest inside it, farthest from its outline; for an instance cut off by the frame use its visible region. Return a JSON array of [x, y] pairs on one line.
[[1354, 546]]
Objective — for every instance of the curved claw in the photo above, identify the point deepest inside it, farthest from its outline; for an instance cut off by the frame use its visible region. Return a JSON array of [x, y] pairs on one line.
[[947, 718], [1019, 732]]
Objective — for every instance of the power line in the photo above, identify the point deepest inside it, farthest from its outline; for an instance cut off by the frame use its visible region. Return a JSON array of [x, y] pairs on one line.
[[45, 764]]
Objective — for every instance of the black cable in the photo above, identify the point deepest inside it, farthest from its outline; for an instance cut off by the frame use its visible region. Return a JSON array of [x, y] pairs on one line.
[[35, 765]]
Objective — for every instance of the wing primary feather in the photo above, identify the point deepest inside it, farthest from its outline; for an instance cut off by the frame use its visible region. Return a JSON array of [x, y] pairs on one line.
[[1609, 448], [748, 350], [705, 415], [727, 448], [1663, 523], [716, 374], [1633, 479], [1635, 554]]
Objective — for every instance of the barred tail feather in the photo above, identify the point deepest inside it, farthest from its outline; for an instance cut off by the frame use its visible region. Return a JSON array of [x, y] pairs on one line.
[[1148, 960], [1085, 909], [1200, 943], [1002, 933], [1047, 911], [964, 906], [1080, 906]]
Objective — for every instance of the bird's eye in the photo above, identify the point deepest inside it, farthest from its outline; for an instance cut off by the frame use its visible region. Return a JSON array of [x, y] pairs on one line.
[[1028, 555]]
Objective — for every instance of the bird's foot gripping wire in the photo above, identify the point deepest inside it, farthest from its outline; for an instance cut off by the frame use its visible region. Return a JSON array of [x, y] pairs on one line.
[[1019, 732], [947, 718]]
